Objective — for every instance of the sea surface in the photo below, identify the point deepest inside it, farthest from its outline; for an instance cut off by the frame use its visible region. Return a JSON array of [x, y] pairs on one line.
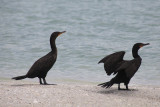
[[95, 28]]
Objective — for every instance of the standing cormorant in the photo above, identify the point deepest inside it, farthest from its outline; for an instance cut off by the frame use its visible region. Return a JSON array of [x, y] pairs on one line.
[[41, 67], [124, 69]]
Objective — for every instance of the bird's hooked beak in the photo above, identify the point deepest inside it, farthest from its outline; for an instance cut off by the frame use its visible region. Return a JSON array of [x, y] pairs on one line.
[[144, 44], [61, 33]]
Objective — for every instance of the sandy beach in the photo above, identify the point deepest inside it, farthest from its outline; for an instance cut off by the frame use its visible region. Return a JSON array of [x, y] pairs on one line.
[[30, 94]]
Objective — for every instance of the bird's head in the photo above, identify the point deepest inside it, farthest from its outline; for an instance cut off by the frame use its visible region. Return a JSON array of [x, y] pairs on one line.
[[136, 47], [53, 37], [56, 34], [139, 45]]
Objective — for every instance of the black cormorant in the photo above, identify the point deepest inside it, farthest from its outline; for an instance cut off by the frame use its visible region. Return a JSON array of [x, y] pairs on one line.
[[124, 69], [44, 64]]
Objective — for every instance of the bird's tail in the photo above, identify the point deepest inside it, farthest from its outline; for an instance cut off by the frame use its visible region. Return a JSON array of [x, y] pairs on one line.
[[20, 77], [107, 84]]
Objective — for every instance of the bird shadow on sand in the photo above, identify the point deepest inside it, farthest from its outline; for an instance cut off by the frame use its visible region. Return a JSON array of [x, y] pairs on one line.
[[117, 92], [21, 85]]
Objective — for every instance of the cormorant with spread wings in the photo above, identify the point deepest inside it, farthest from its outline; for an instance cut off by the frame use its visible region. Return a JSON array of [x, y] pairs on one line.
[[124, 69]]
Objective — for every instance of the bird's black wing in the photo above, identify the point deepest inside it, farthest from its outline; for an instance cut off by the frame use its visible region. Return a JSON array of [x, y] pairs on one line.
[[42, 65], [130, 67], [112, 61]]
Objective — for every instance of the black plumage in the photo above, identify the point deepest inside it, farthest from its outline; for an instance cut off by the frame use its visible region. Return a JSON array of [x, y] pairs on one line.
[[41, 67], [124, 69]]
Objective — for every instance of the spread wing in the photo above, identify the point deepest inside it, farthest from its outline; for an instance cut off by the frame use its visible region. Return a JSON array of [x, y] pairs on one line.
[[112, 62], [130, 67]]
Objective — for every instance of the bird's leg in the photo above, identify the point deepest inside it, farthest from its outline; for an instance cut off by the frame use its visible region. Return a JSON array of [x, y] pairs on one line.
[[126, 86], [44, 80], [119, 87], [45, 83], [123, 89], [40, 81]]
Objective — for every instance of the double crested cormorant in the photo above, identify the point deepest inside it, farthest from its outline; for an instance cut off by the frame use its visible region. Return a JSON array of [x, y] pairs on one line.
[[44, 64], [124, 69]]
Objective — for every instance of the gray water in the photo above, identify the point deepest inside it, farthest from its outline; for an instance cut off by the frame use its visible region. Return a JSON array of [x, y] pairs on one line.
[[95, 28]]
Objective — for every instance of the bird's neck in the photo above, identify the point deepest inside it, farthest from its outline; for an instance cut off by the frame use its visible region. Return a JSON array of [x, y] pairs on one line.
[[135, 52], [53, 45]]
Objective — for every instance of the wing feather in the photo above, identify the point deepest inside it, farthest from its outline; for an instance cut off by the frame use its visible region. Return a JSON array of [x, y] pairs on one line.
[[111, 62], [130, 67]]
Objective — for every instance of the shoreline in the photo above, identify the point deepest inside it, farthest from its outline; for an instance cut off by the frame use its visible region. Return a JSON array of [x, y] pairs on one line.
[[74, 81], [25, 93]]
